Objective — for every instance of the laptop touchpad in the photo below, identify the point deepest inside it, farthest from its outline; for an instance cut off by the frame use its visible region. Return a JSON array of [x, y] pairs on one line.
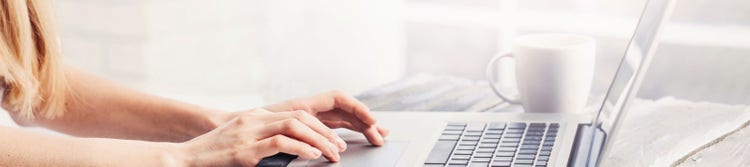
[[362, 153]]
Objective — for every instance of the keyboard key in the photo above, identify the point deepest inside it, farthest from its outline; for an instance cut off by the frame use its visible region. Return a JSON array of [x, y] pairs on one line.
[[503, 159], [461, 157], [547, 148], [487, 145], [511, 140], [478, 164], [525, 156], [491, 141], [536, 130], [492, 136], [527, 151], [504, 154], [476, 159], [468, 143], [486, 150], [537, 141], [514, 131], [470, 138], [463, 152], [542, 158], [454, 128], [500, 164], [534, 133], [533, 138], [494, 132], [475, 127], [537, 124], [496, 125], [513, 135], [526, 142], [544, 153], [517, 125], [451, 132], [441, 152], [456, 123], [529, 147], [522, 165], [506, 149], [541, 163], [508, 144], [465, 147], [458, 162], [483, 155], [523, 161], [473, 133]]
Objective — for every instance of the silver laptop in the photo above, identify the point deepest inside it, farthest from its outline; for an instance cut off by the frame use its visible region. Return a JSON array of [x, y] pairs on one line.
[[512, 139]]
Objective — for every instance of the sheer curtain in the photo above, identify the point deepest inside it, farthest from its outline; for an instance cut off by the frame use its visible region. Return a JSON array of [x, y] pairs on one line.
[[236, 53]]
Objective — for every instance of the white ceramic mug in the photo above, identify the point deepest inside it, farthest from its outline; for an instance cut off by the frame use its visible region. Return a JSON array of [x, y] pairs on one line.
[[553, 72]]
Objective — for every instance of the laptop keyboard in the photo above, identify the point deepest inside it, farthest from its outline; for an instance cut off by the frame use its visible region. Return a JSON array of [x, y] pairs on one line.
[[495, 144]]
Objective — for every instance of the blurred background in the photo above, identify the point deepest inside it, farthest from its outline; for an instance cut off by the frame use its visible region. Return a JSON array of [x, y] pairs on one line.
[[243, 53]]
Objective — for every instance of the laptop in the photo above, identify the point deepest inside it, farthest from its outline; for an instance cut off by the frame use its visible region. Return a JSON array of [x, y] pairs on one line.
[[440, 139]]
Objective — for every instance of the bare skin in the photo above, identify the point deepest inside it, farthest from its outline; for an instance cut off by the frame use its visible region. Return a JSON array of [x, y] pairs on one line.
[[124, 127]]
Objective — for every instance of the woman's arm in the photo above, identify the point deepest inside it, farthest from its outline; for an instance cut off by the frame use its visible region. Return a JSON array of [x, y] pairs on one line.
[[242, 141], [24, 148], [100, 108]]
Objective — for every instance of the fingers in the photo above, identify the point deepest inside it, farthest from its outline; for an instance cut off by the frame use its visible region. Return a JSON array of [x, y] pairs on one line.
[[328, 102], [340, 124], [280, 143], [314, 124], [350, 104], [298, 130], [383, 131], [375, 134], [337, 115]]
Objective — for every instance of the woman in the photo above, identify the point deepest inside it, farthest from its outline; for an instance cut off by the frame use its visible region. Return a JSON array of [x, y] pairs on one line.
[[117, 126]]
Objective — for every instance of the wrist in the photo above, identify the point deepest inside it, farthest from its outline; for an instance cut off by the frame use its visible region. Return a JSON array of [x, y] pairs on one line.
[[174, 154], [216, 118]]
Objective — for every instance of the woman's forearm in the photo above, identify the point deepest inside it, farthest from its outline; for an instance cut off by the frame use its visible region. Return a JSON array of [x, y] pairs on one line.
[[23, 148], [100, 108]]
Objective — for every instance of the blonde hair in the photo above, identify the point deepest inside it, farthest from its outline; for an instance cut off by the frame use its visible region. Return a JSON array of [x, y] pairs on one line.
[[29, 59]]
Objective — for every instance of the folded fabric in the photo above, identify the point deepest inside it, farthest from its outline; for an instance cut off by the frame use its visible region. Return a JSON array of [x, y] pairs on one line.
[[668, 132]]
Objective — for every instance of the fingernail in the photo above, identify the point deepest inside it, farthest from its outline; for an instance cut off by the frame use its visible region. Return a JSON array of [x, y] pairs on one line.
[[378, 138], [335, 151], [342, 144], [315, 152]]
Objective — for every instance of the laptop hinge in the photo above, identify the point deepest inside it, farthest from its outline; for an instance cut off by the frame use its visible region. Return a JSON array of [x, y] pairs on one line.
[[586, 147]]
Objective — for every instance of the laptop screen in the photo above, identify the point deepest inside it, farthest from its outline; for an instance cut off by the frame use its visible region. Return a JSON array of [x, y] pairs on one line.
[[640, 45]]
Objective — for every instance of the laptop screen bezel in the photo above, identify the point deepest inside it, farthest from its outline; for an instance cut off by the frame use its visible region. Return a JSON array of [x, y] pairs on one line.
[[639, 53]]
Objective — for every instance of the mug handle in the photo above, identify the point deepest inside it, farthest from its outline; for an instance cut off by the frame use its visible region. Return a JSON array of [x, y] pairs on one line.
[[489, 72]]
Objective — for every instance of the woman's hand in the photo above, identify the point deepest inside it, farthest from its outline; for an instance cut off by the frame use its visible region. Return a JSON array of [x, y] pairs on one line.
[[252, 135], [337, 109]]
